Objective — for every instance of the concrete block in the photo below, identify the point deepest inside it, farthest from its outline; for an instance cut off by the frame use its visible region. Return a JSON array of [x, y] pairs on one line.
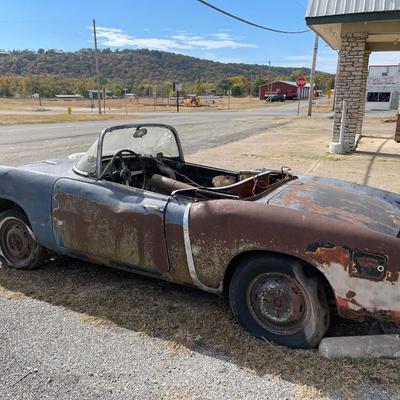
[[336, 148], [374, 346]]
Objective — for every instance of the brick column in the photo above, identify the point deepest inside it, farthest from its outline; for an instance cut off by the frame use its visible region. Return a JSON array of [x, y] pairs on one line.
[[351, 86]]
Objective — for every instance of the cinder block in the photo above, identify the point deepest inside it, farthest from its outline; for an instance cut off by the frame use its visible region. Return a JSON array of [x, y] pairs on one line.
[[374, 346]]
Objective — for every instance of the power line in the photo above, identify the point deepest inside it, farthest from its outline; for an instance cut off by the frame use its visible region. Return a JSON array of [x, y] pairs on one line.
[[249, 22], [301, 5], [40, 22]]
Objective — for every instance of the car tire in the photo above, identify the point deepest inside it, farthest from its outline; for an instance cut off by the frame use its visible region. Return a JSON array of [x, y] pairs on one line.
[[18, 245], [273, 299]]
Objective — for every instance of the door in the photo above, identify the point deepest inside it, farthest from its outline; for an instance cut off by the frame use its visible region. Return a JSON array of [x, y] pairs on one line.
[[110, 224]]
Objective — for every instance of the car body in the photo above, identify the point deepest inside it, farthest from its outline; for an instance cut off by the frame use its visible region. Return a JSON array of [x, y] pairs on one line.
[[276, 97], [283, 247]]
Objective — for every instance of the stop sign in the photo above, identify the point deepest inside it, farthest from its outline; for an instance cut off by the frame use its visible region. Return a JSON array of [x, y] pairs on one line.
[[301, 82]]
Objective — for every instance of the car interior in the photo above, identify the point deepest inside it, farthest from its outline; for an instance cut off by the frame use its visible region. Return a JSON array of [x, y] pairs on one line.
[[169, 176]]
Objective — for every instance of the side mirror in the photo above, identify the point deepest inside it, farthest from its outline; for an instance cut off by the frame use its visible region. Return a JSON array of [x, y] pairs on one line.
[[140, 132]]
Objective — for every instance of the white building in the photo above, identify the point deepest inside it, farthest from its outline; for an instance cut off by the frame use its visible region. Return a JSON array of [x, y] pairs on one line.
[[383, 87]]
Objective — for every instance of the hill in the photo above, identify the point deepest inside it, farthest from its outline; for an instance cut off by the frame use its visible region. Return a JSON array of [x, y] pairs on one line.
[[135, 69], [139, 65]]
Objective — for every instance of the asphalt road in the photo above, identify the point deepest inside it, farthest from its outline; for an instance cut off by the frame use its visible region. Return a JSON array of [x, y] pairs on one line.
[[25, 143]]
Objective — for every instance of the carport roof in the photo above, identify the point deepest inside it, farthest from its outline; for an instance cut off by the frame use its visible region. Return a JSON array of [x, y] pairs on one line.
[[379, 18]]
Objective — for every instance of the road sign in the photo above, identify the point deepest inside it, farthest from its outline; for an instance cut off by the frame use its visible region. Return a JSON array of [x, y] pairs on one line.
[[301, 82], [177, 87]]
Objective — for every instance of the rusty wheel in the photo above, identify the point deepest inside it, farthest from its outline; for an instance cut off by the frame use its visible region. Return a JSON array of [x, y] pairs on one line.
[[279, 303], [17, 242], [273, 299]]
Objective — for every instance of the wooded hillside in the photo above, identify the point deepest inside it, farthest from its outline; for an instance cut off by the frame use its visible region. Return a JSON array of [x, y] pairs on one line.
[[135, 70]]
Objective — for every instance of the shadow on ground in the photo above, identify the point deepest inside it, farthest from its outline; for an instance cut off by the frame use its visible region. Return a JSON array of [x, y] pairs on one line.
[[189, 319]]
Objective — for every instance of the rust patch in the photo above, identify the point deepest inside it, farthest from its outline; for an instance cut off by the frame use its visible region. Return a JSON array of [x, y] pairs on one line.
[[392, 276], [350, 294], [109, 234], [360, 313], [341, 201], [328, 253]]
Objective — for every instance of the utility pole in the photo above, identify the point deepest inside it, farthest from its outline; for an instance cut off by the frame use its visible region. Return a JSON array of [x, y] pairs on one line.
[[104, 100], [126, 101], [270, 79], [336, 79], [97, 65], [312, 76], [251, 83]]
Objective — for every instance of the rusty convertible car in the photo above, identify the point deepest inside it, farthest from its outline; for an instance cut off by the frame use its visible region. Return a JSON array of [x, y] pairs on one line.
[[287, 250]]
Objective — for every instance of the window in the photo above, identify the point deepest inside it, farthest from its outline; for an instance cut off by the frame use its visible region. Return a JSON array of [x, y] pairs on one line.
[[378, 97]]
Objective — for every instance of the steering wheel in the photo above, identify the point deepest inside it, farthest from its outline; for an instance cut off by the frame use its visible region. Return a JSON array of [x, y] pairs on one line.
[[125, 174]]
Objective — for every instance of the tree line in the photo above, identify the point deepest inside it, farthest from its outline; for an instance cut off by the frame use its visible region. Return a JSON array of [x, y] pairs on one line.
[[142, 72]]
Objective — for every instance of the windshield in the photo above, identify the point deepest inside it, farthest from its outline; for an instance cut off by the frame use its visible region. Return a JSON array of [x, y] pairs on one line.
[[146, 141]]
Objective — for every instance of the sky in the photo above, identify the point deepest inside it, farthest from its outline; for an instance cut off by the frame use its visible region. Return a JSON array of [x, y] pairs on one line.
[[180, 26]]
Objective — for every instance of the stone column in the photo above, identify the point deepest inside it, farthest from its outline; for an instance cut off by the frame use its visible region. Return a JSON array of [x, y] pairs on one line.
[[351, 86]]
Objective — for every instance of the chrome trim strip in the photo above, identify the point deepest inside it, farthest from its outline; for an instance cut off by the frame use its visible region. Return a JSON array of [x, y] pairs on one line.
[[189, 255]]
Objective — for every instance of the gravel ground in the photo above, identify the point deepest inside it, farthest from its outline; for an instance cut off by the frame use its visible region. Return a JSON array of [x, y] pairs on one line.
[[186, 347], [76, 360]]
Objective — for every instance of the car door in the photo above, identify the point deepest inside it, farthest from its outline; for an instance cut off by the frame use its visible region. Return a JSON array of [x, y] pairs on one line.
[[111, 224]]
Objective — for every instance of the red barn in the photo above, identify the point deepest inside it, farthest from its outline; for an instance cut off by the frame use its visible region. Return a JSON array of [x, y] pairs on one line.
[[287, 88]]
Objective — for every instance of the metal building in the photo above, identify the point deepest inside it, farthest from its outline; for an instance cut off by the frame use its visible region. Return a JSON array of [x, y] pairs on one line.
[[286, 88]]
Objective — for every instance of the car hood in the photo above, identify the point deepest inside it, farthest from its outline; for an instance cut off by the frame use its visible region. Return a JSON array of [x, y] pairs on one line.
[[54, 167], [351, 203]]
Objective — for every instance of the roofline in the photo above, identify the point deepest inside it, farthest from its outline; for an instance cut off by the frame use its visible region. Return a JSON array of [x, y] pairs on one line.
[[355, 17], [286, 82], [385, 65]]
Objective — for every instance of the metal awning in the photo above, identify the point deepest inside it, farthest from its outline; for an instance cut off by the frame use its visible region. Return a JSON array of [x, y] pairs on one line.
[[379, 18]]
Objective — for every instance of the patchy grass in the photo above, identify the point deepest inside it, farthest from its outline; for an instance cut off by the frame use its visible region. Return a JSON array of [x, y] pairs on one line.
[[321, 106], [191, 321], [43, 118]]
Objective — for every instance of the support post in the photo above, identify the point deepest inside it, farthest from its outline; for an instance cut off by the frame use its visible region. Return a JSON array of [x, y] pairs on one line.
[[397, 134], [338, 147], [298, 100]]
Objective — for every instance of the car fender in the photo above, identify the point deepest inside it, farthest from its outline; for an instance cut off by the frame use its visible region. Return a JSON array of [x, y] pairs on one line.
[[31, 191], [221, 230]]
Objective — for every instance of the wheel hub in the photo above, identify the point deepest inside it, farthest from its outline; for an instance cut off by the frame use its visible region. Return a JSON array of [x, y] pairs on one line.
[[279, 303], [17, 242]]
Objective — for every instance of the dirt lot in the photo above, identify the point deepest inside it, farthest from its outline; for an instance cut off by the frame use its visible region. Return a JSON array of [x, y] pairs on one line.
[[303, 146], [14, 111]]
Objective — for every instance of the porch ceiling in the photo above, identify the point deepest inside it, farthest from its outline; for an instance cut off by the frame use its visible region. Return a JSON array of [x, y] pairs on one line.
[[383, 35]]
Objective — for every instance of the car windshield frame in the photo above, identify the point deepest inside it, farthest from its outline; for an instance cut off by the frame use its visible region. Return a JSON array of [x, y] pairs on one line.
[[100, 141]]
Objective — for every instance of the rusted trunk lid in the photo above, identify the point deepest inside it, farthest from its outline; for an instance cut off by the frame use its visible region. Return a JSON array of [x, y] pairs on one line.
[[347, 202]]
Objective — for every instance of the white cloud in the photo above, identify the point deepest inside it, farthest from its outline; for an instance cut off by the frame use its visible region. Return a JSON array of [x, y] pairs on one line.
[[114, 37], [326, 61]]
